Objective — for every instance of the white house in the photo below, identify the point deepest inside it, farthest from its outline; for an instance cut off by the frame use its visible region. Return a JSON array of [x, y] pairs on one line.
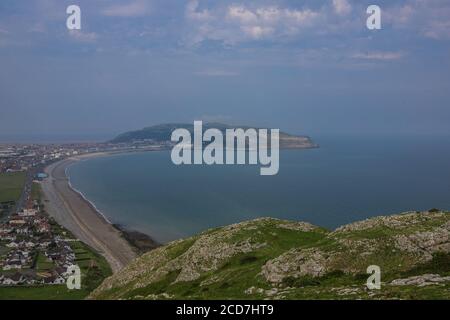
[[12, 245]]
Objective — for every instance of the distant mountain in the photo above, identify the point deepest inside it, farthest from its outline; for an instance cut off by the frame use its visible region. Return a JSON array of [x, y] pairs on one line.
[[162, 133], [275, 259]]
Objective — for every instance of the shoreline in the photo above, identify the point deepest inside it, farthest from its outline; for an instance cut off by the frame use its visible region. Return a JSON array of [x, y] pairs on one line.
[[140, 241], [71, 209], [83, 196]]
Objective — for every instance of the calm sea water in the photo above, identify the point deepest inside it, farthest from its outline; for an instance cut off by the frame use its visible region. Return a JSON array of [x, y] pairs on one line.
[[347, 179]]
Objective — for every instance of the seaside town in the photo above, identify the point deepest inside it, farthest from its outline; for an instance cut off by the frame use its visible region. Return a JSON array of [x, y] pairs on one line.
[[32, 252], [18, 157], [24, 157], [34, 249]]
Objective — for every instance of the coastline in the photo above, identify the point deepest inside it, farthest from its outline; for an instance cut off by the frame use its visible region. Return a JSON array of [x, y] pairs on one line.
[[84, 197], [71, 209]]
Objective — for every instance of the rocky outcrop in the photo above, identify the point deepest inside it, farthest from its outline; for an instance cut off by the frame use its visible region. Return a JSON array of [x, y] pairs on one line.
[[394, 222], [421, 281], [425, 244], [298, 226], [296, 263], [276, 259], [208, 253]]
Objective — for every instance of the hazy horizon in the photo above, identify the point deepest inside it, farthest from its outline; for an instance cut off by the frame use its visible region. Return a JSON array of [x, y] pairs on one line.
[[307, 67]]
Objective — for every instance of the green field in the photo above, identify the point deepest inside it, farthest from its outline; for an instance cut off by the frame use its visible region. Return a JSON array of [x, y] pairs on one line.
[[94, 267], [47, 292], [11, 185], [43, 263], [36, 192]]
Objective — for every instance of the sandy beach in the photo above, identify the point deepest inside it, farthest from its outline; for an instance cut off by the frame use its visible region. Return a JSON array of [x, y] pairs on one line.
[[79, 216]]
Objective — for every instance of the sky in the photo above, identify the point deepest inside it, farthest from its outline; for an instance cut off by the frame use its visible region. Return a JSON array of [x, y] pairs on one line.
[[307, 67]]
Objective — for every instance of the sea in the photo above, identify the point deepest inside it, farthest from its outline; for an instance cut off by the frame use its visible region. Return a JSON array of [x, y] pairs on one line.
[[344, 180]]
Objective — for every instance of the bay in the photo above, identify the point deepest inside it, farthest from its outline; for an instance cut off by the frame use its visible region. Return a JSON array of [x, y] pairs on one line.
[[346, 179]]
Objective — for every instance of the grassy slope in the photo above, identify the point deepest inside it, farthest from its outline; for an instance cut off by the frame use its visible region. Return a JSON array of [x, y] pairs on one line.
[[11, 185], [228, 262]]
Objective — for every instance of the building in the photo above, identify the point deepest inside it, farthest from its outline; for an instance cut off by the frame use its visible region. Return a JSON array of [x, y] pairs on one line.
[[41, 175]]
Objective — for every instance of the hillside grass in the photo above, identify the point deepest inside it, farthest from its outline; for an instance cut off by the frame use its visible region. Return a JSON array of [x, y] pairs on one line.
[[240, 271], [44, 292], [240, 277]]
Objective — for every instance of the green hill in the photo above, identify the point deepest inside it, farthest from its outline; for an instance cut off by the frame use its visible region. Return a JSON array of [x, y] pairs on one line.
[[276, 259], [162, 133]]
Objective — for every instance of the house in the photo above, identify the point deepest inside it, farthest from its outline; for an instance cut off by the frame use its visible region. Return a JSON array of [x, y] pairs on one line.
[[8, 282], [59, 280], [43, 228], [15, 279], [61, 271], [12, 245], [22, 230], [29, 244], [27, 213], [54, 256], [7, 237], [54, 280], [24, 253], [17, 222], [14, 264], [44, 245], [28, 279]]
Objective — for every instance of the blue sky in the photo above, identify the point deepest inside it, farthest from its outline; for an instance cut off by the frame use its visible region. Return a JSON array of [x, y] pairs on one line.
[[303, 66]]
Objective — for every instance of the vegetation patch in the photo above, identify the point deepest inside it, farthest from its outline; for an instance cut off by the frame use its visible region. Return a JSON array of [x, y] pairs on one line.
[[11, 185], [275, 259]]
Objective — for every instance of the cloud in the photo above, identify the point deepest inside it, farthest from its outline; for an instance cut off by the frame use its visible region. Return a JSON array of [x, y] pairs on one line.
[[194, 14], [132, 9], [380, 56], [303, 17], [342, 7], [405, 14], [438, 30], [264, 22], [83, 36], [257, 32], [428, 19], [237, 23], [217, 73], [242, 15]]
